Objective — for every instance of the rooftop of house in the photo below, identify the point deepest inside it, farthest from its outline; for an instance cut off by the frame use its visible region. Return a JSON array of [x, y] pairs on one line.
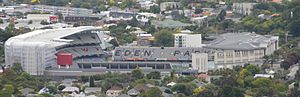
[[92, 89], [70, 89], [169, 23]]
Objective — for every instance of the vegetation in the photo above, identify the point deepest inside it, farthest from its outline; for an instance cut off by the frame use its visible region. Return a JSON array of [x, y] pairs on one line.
[[14, 79], [164, 37], [122, 34], [152, 92]]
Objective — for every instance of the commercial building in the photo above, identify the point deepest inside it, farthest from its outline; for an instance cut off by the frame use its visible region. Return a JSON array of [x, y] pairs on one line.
[[42, 17], [91, 19], [60, 9], [187, 40]]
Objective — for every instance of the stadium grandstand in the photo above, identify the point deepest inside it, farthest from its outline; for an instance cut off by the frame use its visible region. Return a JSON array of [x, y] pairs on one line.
[[39, 49], [93, 68]]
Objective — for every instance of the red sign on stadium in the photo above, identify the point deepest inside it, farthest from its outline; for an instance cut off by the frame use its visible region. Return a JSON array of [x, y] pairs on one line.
[[64, 59]]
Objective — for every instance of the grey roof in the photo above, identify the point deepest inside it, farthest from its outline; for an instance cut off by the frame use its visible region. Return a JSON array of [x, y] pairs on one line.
[[124, 95], [26, 91], [92, 89], [133, 92], [199, 83], [166, 94], [241, 41], [50, 36], [169, 23]]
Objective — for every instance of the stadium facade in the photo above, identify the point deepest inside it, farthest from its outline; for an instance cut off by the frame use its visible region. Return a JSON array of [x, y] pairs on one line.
[[226, 51], [37, 50]]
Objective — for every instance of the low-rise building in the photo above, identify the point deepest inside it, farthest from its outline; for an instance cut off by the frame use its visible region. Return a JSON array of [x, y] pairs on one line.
[[169, 5], [243, 8], [200, 21]]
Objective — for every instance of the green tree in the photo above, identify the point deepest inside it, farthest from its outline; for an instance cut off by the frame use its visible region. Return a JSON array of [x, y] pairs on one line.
[[152, 92], [60, 16], [262, 82], [198, 90], [253, 69], [134, 22], [29, 22], [164, 37], [112, 2], [185, 88], [153, 75], [186, 79], [122, 35], [102, 7], [61, 87], [17, 68], [285, 65], [295, 92], [8, 88], [263, 87], [114, 42], [45, 95], [230, 91], [10, 28], [92, 81], [52, 89], [222, 15], [198, 10], [155, 9], [44, 22], [137, 74]]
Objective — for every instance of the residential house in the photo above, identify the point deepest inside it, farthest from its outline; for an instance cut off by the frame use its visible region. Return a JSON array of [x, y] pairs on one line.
[[147, 3], [169, 24], [133, 92], [70, 90], [114, 91], [91, 90]]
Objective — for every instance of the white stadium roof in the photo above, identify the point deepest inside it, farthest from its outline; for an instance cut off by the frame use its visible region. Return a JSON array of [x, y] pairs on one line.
[[49, 36]]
